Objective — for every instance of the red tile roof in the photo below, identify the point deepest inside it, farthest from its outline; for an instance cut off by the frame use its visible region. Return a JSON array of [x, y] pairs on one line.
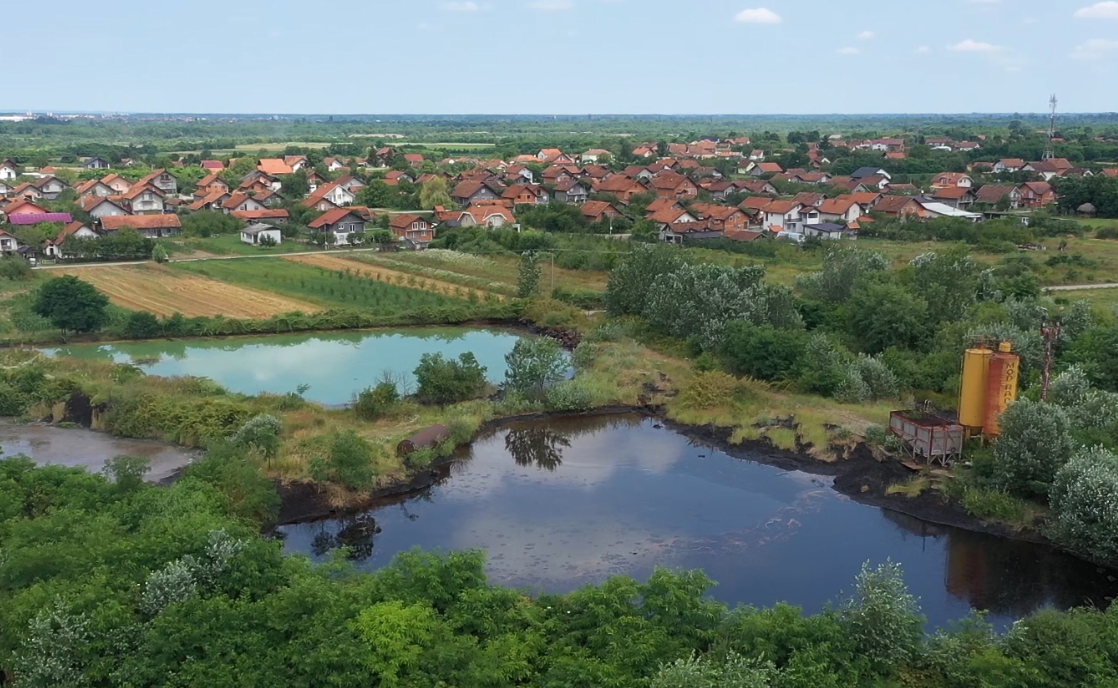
[[331, 217], [159, 221], [253, 215]]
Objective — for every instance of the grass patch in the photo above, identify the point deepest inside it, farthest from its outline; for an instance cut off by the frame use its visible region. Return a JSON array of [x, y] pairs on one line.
[[912, 488]]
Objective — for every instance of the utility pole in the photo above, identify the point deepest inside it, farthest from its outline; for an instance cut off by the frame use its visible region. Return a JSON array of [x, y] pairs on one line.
[[1049, 149]]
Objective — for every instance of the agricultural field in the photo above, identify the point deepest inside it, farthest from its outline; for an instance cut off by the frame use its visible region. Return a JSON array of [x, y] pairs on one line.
[[497, 273], [163, 291], [375, 270], [325, 287]]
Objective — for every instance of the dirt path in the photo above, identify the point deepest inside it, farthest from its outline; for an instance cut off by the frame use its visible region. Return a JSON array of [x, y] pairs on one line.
[[157, 290], [1083, 287], [389, 275]]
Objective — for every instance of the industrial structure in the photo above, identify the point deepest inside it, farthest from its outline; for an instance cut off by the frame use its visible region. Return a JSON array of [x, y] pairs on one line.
[[989, 386]]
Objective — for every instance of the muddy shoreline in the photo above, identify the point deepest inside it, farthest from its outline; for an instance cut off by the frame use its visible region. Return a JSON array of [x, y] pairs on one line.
[[861, 477]]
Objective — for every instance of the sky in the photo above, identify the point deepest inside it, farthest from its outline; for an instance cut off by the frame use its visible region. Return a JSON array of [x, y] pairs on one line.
[[565, 56]]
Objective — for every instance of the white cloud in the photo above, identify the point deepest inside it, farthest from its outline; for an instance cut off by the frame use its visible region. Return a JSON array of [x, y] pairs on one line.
[[1100, 10], [552, 5], [866, 35], [460, 6], [848, 51], [760, 15], [973, 46], [923, 49], [1094, 49]]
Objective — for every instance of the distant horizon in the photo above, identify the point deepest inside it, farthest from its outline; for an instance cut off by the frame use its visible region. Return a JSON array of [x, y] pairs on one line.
[[602, 115]]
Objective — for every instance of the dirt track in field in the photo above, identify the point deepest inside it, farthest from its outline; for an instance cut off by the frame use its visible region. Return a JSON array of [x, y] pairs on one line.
[[389, 276], [158, 290]]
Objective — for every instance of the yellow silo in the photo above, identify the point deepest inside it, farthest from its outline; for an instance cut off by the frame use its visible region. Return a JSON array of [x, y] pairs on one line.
[[972, 393]]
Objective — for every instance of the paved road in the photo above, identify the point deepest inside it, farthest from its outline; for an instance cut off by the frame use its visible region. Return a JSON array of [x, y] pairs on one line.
[[1083, 287]]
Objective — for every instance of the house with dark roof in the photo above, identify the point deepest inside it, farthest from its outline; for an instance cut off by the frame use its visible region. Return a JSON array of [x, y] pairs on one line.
[[162, 180], [993, 194], [8, 170], [338, 224], [96, 163], [959, 197], [596, 211], [571, 192], [98, 207], [470, 192]]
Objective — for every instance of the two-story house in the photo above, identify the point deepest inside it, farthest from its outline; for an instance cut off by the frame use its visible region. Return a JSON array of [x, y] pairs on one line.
[[143, 200], [98, 207], [338, 224], [526, 194], [162, 180], [240, 202], [570, 191], [596, 211], [469, 192], [840, 210], [415, 230]]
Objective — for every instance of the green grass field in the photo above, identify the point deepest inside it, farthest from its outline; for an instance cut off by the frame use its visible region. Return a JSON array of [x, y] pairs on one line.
[[329, 288]]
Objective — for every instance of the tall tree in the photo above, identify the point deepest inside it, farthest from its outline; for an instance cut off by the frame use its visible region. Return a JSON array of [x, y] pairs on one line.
[[434, 193], [72, 304]]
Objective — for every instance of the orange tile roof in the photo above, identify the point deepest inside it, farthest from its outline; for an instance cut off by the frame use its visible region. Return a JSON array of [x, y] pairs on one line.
[[274, 166], [158, 221], [331, 217]]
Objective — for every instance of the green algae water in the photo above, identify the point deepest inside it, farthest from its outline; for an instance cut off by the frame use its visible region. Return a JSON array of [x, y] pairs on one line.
[[335, 365]]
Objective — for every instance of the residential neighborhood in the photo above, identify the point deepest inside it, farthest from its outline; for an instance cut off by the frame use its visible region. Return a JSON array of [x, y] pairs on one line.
[[709, 188]]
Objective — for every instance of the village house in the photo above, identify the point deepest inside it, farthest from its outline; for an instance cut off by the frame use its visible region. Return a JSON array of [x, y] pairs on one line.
[[1037, 194], [594, 155], [211, 202], [673, 216], [259, 234], [721, 217], [955, 196], [571, 192], [163, 180], [275, 216], [554, 156], [948, 179], [49, 187], [337, 195], [470, 192], [96, 163], [8, 170], [8, 243], [526, 194], [827, 230], [338, 224], [839, 211], [275, 167], [149, 226], [143, 200], [94, 187], [209, 184], [98, 207], [213, 166], [413, 229], [763, 168], [6, 188], [240, 202], [672, 185], [596, 211], [117, 183], [394, 177], [898, 206], [74, 230], [490, 215], [1008, 165], [993, 194], [678, 233]]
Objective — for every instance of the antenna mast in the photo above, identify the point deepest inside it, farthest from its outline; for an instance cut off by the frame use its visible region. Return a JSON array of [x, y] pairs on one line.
[[1049, 150]]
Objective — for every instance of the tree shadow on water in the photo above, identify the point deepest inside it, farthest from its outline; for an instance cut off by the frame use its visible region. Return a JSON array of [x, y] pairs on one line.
[[355, 534], [537, 446]]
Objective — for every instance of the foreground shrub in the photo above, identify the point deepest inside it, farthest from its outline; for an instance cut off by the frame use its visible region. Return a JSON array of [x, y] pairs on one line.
[[572, 395], [446, 381], [1085, 503], [1035, 442], [374, 403], [261, 433], [348, 462], [881, 618]]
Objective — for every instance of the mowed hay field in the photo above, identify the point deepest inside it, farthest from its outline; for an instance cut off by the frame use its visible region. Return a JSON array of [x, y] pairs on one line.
[[158, 290], [390, 276]]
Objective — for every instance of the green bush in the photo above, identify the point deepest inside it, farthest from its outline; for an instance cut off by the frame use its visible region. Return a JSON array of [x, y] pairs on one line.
[[571, 395], [1085, 503], [348, 462], [1107, 233], [261, 433], [1034, 444], [763, 352], [374, 403], [446, 381], [534, 364], [142, 325]]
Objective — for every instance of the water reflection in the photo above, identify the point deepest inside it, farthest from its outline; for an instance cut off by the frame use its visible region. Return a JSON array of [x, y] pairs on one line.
[[565, 502], [335, 365], [354, 533], [538, 446]]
